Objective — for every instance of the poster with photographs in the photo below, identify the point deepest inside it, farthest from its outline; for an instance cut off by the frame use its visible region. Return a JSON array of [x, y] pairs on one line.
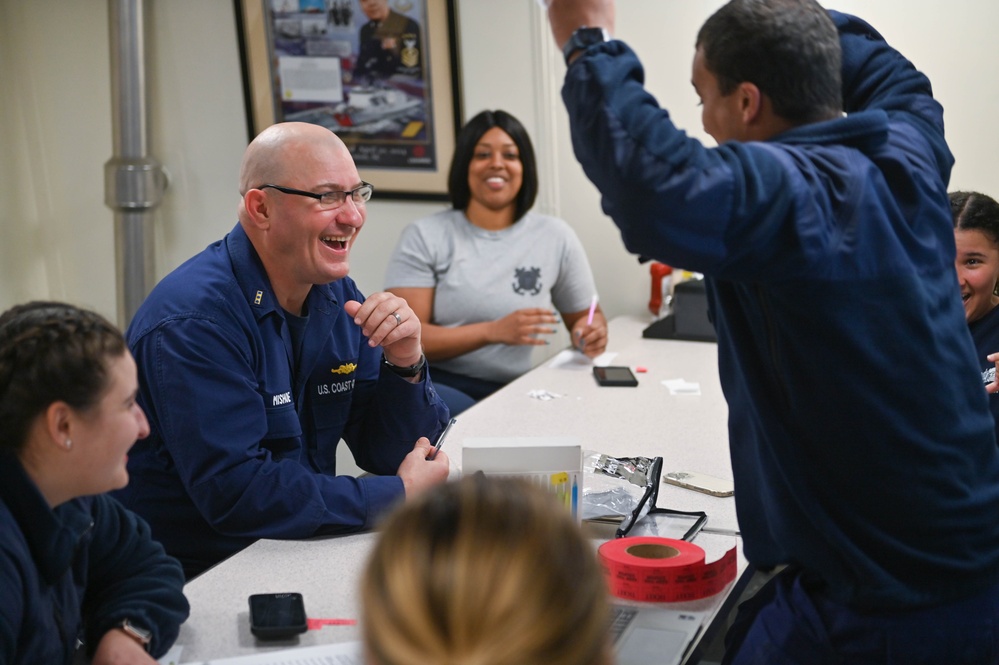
[[381, 74]]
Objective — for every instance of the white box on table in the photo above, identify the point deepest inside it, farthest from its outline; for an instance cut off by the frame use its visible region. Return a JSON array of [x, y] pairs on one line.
[[555, 463]]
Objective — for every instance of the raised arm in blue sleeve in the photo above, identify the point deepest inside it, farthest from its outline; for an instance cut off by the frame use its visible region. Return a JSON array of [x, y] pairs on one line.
[[876, 76], [672, 198]]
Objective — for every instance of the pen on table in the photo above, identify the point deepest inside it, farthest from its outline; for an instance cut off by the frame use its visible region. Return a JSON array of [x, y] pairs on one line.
[[440, 439]]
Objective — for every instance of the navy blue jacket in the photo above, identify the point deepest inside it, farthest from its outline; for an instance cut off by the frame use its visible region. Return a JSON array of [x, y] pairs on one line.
[[861, 442], [243, 444], [74, 572]]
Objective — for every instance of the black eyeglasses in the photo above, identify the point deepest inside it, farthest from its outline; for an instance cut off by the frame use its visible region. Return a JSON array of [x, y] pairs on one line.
[[330, 199]]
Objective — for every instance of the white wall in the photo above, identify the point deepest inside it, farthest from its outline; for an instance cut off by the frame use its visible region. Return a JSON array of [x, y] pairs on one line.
[[54, 137], [56, 235]]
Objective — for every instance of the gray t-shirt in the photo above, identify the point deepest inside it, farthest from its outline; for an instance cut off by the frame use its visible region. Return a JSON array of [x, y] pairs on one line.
[[479, 275]]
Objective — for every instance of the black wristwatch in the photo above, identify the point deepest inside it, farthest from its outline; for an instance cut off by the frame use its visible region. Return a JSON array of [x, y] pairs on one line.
[[408, 372], [140, 635], [582, 39]]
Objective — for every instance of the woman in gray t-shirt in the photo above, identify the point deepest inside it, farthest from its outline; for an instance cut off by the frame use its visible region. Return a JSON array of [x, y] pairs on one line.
[[489, 279]]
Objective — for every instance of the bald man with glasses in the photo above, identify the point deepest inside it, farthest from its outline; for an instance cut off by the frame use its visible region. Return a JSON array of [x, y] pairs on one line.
[[258, 355]]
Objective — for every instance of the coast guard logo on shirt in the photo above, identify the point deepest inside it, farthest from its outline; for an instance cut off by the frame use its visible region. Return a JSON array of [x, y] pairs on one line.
[[528, 281], [989, 375], [338, 385]]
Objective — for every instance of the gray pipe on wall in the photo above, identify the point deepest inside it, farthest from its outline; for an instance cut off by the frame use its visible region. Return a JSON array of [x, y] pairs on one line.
[[134, 182]]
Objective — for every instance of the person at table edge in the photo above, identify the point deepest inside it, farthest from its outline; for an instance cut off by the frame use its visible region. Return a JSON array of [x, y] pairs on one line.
[[259, 354]]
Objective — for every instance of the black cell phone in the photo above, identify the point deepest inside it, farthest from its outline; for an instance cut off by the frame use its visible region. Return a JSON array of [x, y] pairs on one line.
[[275, 616], [615, 376]]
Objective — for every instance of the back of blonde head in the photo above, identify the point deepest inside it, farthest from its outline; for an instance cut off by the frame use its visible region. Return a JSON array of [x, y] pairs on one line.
[[484, 571]]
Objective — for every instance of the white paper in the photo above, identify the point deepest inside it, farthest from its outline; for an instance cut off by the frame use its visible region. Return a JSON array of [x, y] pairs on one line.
[[543, 395], [340, 653], [576, 360], [310, 79], [681, 387]]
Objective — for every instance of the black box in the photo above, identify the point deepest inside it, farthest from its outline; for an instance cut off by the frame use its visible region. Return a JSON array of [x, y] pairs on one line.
[[689, 320]]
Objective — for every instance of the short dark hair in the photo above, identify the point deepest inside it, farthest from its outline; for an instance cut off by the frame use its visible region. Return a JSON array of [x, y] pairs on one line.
[[469, 137], [974, 211], [50, 352], [789, 49]]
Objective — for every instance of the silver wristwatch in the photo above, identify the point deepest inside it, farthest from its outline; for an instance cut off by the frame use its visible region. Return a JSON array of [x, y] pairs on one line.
[[139, 634]]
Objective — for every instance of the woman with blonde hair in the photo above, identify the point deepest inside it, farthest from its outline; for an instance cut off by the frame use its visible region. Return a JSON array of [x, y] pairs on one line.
[[484, 571]]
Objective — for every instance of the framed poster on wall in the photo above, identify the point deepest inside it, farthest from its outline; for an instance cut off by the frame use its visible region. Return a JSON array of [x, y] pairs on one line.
[[381, 74]]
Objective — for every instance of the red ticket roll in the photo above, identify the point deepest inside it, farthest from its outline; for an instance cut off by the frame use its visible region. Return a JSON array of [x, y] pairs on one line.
[[663, 570]]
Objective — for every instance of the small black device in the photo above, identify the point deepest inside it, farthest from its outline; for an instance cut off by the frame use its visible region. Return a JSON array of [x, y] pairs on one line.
[[689, 319], [582, 39], [614, 376], [408, 372], [275, 616]]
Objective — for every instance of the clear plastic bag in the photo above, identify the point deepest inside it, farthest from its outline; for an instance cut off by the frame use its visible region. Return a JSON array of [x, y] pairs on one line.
[[624, 490], [614, 486]]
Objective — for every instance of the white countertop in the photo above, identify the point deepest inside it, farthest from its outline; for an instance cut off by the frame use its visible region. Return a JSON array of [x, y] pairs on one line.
[[688, 431]]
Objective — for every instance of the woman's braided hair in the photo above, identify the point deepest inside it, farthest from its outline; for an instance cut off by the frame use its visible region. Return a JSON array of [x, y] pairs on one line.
[[50, 352]]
